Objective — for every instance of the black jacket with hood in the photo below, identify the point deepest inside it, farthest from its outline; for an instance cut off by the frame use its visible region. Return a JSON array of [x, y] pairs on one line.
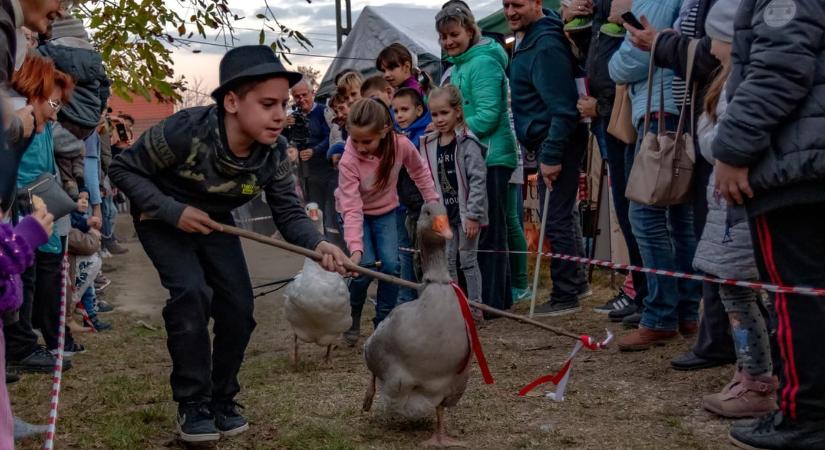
[[776, 112]]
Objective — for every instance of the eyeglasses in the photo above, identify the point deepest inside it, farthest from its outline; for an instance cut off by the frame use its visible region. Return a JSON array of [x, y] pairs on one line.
[[56, 105]]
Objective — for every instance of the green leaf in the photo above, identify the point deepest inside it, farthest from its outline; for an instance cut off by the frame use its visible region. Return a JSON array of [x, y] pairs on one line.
[[261, 37]]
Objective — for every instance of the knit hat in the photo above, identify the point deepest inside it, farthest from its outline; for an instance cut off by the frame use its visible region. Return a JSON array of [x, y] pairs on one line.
[[719, 23], [69, 27]]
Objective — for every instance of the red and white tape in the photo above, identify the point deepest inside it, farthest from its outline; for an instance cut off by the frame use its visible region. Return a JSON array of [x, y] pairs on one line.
[[58, 366], [804, 290]]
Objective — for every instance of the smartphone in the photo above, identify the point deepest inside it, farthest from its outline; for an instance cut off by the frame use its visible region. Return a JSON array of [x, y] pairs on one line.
[[121, 132], [630, 18]]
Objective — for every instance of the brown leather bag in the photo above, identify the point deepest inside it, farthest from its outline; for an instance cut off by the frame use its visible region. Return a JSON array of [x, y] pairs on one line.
[[621, 118], [662, 172]]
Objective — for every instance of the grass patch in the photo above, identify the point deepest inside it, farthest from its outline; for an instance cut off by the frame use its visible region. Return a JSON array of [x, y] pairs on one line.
[[317, 437]]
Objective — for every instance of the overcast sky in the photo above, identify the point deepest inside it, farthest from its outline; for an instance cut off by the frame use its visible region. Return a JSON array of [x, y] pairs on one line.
[[316, 20]]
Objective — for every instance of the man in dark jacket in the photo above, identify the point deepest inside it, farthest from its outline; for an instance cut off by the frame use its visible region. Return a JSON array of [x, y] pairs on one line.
[[315, 168], [770, 153], [184, 176], [544, 96]]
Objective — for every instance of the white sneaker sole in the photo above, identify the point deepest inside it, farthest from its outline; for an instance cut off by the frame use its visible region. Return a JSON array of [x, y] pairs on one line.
[[206, 437], [236, 431]]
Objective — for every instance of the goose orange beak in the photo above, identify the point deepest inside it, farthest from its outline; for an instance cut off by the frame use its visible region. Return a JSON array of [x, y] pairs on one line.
[[441, 225]]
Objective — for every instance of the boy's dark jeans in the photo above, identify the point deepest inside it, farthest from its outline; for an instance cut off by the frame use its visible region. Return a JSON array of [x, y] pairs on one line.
[[206, 276], [790, 250]]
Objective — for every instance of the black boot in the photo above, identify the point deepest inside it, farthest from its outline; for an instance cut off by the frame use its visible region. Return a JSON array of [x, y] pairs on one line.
[[775, 431]]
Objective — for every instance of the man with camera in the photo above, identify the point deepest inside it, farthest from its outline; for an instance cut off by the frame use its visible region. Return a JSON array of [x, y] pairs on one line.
[[308, 133]]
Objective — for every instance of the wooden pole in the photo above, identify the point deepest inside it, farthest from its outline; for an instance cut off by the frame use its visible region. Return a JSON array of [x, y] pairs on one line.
[[388, 278], [537, 267]]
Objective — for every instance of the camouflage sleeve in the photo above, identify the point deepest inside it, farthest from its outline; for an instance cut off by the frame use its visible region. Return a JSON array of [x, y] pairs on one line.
[[287, 212], [134, 169]]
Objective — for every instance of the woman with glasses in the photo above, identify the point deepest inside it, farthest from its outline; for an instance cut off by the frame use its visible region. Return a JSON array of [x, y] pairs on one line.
[[39, 84]]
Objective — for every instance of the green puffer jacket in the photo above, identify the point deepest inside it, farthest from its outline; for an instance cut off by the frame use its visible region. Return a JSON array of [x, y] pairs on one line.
[[480, 74]]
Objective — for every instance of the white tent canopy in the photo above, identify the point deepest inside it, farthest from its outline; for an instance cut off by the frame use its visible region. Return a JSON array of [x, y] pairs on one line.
[[378, 27]]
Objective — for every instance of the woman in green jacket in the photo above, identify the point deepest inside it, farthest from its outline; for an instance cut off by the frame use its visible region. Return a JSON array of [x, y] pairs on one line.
[[478, 70]]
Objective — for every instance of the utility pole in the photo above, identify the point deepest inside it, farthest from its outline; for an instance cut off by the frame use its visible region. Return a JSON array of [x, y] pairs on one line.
[[340, 30]]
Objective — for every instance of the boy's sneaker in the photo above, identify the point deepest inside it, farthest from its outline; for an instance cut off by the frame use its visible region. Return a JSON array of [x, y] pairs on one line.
[[70, 350], [619, 314], [98, 324], [620, 301], [554, 309], [196, 423], [520, 295], [613, 30], [101, 282], [228, 419], [579, 24], [38, 361], [775, 431], [103, 307]]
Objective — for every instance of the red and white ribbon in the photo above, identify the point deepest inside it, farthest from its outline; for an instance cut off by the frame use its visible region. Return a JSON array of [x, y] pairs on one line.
[[58, 366], [804, 290], [561, 377]]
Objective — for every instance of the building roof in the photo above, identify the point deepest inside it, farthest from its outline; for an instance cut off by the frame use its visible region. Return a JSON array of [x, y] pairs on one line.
[[146, 113]]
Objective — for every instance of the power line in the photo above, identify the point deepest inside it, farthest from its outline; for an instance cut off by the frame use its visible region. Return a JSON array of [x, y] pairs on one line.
[[291, 53]]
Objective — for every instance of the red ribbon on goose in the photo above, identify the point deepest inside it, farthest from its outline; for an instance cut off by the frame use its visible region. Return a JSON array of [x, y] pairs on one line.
[[475, 343]]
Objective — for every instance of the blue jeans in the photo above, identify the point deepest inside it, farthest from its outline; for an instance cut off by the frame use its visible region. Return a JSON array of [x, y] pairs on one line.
[[666, 241], [109, 211], [89, 301], [619, 157], [405, 259], [380, 243]]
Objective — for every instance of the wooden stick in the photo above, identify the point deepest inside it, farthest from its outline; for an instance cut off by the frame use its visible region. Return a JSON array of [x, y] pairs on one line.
[[384, 277], [537, 267]]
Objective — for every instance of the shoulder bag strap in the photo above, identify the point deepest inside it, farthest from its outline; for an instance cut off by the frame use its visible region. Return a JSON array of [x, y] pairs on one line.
[[650, 69], [691, 56]]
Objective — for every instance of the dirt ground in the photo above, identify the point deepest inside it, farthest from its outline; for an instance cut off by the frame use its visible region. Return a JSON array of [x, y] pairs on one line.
[[117, 396]]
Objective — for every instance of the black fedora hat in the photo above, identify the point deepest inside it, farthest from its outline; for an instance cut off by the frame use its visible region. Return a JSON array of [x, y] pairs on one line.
[[250, 62]]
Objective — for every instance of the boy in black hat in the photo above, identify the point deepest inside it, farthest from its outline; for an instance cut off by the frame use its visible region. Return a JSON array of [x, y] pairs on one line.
[[183, 177]]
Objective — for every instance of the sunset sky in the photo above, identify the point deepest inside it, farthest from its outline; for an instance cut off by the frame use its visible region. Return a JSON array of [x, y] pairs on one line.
[[316, 20]]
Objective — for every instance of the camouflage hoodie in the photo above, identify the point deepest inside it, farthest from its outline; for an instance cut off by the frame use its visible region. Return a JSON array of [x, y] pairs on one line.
[[185, 160]]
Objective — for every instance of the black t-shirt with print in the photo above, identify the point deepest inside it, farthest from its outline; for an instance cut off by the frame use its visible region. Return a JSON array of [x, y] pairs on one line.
[[445, 157]]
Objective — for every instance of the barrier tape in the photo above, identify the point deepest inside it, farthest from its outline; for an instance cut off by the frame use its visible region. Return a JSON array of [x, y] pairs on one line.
[[58, 366], [804, 290]]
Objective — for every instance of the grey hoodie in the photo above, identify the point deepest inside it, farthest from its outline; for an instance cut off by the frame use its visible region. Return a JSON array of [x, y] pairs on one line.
[[471, 171]]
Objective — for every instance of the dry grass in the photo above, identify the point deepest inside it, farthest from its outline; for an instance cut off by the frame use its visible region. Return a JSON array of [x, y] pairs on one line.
[[117, 396]]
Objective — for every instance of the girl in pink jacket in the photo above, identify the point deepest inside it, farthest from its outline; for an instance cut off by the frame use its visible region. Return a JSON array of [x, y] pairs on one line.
[[367, 198]]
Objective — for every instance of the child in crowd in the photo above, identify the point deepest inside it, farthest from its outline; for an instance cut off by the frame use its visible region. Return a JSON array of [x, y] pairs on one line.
[[84, 245], [349, 85], [17, 247], [377, 87], [340, 107], [456, 160], [367, 200], [411, 117], [396, 63], [726, 251], [411, 120]]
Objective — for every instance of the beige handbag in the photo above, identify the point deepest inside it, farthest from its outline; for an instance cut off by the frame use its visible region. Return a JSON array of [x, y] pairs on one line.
[[621, 118], [662, 172]]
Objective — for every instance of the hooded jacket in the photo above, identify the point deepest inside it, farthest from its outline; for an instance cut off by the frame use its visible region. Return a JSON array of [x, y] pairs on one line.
[[480, 74], [543, 82], [776, 110], [77, 58], [185, 160], [470, 169]]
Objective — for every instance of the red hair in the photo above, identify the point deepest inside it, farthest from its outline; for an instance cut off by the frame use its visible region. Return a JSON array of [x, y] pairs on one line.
[[38, 77]]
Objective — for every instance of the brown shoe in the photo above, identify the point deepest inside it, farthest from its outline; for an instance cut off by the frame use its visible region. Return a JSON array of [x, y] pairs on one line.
[[644, 338], [688, 329], [749, 397]]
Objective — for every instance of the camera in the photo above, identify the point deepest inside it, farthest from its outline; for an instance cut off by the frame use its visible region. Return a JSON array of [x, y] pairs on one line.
[[299, 132]]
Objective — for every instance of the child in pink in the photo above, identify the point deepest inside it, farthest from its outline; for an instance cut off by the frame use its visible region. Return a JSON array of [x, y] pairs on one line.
[[367, 199]]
